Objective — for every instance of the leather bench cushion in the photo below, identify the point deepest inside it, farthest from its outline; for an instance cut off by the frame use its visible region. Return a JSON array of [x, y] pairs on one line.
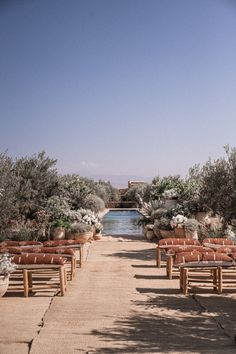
[[178, 249], [11, 243], [225, 249], [217, 241], [58, 243], [178, 241], [187, 257], [59, 250], [34, 258]]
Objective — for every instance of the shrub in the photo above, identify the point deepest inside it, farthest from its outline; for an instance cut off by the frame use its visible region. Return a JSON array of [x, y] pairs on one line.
[[218, 185], [94, 203], [191, 225], [9, 184], [38, 181]]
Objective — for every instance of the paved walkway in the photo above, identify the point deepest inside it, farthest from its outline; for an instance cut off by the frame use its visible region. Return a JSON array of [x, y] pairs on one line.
[[119, 303]]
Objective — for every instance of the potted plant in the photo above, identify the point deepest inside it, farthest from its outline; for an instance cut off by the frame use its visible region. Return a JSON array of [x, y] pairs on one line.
[[79, 231], [58, 228], [191, 228], [6, 267], [165, 227], [170, 198], [178, 222], [98, 228]]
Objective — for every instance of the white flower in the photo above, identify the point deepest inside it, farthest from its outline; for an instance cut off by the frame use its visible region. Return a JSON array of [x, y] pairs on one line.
[[178, 221]]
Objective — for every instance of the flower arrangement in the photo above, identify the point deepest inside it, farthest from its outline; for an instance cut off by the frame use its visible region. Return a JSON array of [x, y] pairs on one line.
[[6, 265], [178, 221], [88, 217]]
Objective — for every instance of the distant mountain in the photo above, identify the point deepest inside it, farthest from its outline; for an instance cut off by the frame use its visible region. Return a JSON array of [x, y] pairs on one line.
[[120, 181]]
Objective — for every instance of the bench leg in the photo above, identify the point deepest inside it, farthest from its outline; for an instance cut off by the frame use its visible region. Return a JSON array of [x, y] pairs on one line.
[[26, 283], [72, 269], [181, 279], [185, 281], [214, 274], [169, 267], [30, 278], [62, 280], [220, 280], [81, 255], [158, 257]]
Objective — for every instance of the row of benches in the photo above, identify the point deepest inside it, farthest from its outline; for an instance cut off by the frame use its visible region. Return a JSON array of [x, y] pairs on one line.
[[51, 257]]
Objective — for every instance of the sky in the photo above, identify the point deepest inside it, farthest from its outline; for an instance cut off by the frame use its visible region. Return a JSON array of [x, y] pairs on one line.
[[118, 87]]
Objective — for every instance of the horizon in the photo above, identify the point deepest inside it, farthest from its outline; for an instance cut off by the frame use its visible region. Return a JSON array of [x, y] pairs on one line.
[[118, 88]]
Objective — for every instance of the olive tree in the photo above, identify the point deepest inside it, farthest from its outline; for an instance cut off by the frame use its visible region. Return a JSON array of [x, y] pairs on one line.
[[37, 181], [9, 183], [218, 185]]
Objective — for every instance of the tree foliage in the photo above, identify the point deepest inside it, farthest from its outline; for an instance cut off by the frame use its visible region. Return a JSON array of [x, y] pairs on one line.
[[218, 185]]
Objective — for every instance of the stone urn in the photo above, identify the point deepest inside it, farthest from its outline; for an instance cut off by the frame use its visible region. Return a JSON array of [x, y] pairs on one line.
[[149, 233], [4, 281], [180, 232], [97, 236], [167, 233], [191, 234], [57, 233], [81, 237]]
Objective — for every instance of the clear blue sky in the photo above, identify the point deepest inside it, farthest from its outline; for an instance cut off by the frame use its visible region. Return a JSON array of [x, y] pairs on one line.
[[141, 87]]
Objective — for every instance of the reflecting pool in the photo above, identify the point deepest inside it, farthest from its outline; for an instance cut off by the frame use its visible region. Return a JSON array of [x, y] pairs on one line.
[[121, 223]]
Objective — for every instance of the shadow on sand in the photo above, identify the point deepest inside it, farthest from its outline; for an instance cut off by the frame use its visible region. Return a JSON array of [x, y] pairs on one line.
[[165, 325]]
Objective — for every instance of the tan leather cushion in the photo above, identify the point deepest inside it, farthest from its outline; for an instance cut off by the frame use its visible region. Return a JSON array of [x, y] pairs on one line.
[[9, 243], [178, 249], [188, 257], [56, 243], [20, 243], [32, 258], [215, 256], [178, 241], [217, 241], [59, 250], [13, 250], [228, 250]]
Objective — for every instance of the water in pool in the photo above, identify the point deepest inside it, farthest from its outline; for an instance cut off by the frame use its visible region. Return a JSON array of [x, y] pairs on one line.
[[121, 223]]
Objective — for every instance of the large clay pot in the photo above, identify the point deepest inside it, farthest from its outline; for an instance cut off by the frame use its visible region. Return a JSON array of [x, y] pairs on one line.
[[58, 233], [191, 234], [150, 235], [167, 233], [4, 281], [97, 236], [180, 232], [80, 237]]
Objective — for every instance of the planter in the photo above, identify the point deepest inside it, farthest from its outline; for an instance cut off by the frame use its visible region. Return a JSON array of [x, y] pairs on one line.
[[4, 281], [150, 235], [180, 232], [167, 233], [58, 233], [97, 236], [80, 237], [191, 234]]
